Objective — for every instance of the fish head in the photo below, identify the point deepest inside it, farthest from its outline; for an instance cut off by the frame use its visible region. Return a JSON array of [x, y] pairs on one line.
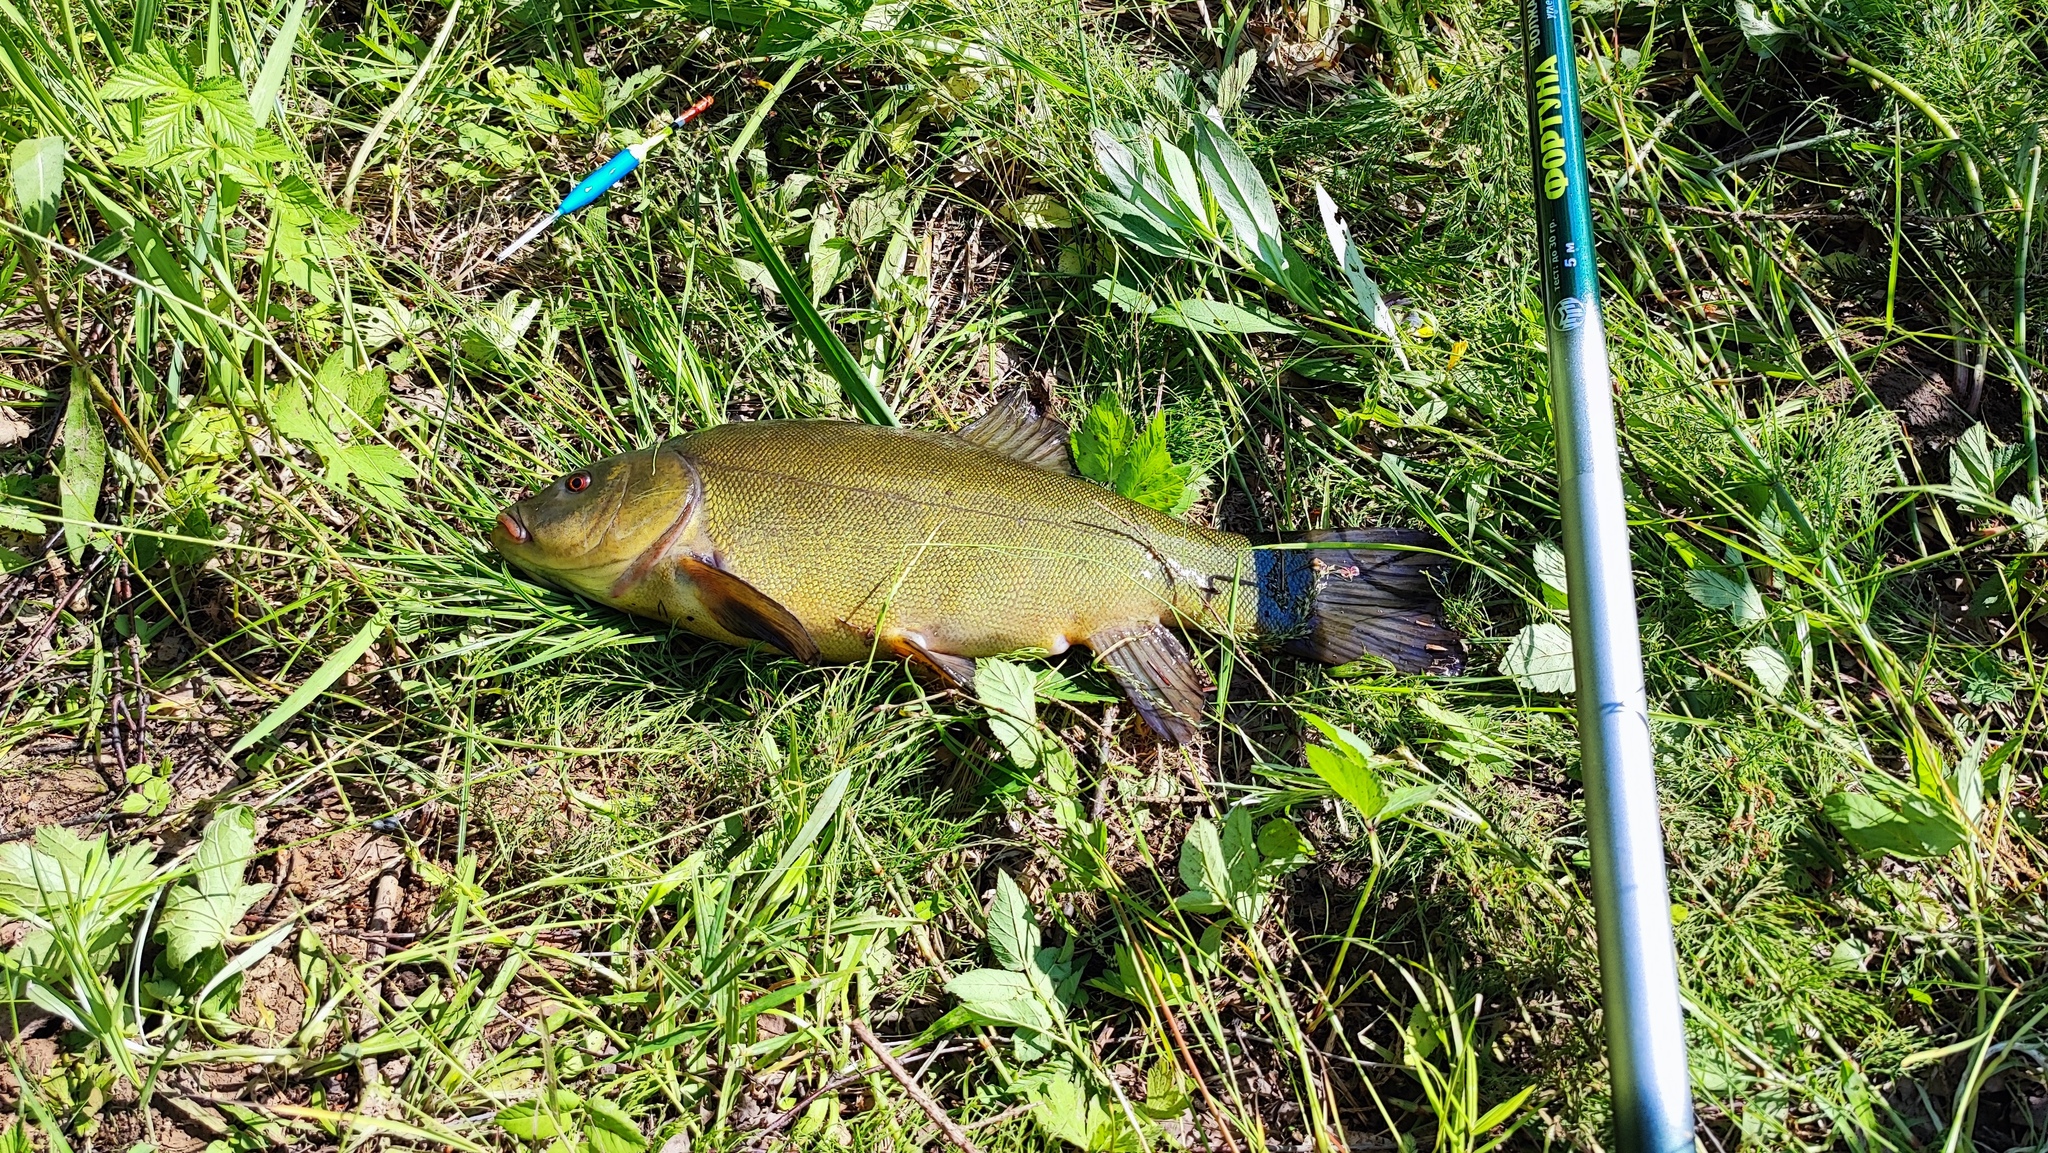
[[599, 529]]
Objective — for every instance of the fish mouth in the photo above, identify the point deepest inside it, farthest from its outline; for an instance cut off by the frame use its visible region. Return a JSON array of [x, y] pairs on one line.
[[514, 530]]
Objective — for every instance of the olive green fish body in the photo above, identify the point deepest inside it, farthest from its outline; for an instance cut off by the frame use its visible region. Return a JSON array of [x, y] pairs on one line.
[[860, 531], [839, 541]]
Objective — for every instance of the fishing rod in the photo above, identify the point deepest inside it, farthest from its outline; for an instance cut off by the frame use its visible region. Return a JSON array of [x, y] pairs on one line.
[[599, 182], [1631, 901]]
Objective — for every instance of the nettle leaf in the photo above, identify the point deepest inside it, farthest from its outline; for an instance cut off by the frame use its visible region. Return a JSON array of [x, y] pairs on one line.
[[204, 909], [1349, 766], [999, 997], [1978, 466], [1013, 933], [1733, 593], [1540, 659], [1220, 867], [1009, 692]]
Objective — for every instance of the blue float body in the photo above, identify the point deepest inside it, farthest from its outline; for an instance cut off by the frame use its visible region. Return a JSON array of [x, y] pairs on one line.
[[595, 184]]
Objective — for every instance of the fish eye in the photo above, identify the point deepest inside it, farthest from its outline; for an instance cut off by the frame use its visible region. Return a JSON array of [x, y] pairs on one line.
[[577, 482]]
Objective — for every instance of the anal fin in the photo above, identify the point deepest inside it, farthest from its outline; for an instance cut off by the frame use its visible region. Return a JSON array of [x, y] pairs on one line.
[[1017, 428], [743, 610], [957, 672], [1159, 676]]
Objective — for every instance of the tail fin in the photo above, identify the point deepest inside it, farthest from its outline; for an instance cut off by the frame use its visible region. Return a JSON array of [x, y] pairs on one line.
[[1336, 605]]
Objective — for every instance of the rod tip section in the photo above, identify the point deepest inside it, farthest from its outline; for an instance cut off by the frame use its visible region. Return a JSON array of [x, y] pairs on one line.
[[526, 238]]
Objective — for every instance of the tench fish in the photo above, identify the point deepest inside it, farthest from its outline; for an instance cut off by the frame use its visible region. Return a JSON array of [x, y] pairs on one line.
[[841, 542]]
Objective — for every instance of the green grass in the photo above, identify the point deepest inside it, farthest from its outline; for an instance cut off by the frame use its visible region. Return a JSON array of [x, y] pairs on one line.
[[252, 407]]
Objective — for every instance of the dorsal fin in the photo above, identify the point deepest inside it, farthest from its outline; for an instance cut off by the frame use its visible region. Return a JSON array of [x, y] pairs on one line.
[[1017, 428]]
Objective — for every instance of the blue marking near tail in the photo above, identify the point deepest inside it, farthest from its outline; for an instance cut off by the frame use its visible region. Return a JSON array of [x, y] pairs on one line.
[[1285, 580]]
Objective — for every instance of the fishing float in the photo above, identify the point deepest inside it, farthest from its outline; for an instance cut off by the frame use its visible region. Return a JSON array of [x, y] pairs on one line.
[[599, 182], [1645, 1020]]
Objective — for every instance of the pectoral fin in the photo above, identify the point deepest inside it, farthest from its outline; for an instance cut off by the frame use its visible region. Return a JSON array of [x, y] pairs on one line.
[[743, 610], [1158, 675]]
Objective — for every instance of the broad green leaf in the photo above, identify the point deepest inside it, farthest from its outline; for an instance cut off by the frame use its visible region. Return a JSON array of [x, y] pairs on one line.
[[1039, 211], [1012, 926], [1978, 466], [1735, 594], [1234, 181], [609, 1129], [1770, 667], [1125, 297], [1205, 315], [17, 517], [1548, 561], [546, 1116], [1232, 81], [1898, 823], [1540, 659], [1350, 778], [204, 909], [1201, 859], [206, 432], [329, 672], [83, 467], [1000, 997], [38, 171], [1108, 448], [1008, 690], [2032, 520], [1282, 845]]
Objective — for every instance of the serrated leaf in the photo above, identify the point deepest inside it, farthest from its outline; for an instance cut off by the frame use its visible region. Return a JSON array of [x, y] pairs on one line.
[[1013, 933], [37, 168], [1737, 594], [1000, 997], [1540, 659], [204, 909], [1978, 466], [1166, 1095], [1108, 448], [1009, 692], [83, 467], [2032, 520], [1232, 81]]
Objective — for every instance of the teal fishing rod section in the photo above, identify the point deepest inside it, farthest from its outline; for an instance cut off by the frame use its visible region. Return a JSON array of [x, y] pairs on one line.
[[1631, 899]]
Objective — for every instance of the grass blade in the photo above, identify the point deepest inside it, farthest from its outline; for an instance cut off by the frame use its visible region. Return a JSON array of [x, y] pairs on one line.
[[329, 672], [270, 81], [853, 383]]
